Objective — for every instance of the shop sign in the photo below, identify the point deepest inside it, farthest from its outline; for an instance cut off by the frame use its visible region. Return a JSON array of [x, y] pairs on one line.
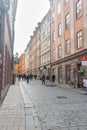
[[81, 69], [83, 58], [84, 63], [74, 69]]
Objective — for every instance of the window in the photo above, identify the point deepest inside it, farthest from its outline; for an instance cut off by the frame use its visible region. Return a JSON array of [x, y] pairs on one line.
[[48, 57], [67, 46], [48, 19], [59, 51], [45, 32], [49, 29], [53, 18], [67, 21], [66, 1], [59, 8], [53, 36], [53, 54], [53, 1], [79, 39], [59, 29], [78, 9], [60, 74]]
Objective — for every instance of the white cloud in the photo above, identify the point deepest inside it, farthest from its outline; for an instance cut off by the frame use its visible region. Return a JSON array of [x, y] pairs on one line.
[[29, 13]]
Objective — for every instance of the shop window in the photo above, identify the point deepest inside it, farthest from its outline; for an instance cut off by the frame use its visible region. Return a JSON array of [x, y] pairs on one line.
[[68, 72], [60, 74]]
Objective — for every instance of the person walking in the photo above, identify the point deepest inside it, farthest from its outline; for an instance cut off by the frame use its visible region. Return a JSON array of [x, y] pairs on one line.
[[28, 76], [53, 78], [43, 79]]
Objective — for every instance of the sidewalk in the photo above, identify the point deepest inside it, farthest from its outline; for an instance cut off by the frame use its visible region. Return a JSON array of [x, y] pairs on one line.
[[12, 113], [68, 87]]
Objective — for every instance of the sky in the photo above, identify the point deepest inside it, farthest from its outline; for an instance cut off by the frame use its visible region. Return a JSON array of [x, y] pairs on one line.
[[29, 13]]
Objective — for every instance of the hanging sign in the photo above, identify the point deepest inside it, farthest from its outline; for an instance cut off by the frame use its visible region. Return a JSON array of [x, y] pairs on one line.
[[83, 58], [84, 63]]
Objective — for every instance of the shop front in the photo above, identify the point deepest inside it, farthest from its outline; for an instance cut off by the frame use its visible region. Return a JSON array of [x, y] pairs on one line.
[[60, 74], [72, 72]]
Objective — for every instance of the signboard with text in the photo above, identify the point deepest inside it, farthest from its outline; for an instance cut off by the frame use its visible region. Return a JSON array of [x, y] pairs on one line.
[[84, 63], [84, 60]]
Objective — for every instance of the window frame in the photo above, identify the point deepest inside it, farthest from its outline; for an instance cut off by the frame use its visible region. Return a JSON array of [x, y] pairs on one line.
[[78, 9], [59, 29], [66, 1], [53, 36], [59, 51], [67, 20], [68, 46], [59, 8], [79, 39]]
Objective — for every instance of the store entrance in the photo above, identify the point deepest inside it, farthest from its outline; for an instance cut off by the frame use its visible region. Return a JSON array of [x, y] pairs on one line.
[[68, 72]]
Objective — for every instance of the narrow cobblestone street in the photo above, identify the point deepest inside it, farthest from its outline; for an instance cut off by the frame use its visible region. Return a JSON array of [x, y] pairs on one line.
[[53, 107]]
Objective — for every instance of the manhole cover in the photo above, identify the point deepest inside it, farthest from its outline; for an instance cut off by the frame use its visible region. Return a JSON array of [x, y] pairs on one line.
[[61, 97]]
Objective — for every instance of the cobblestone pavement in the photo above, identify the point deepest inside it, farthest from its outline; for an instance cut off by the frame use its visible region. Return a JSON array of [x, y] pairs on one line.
[[53, 108], [12, 113]]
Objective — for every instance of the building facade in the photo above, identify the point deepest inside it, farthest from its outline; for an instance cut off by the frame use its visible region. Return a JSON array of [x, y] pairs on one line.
[[16, 69], [34, 52], [68, 40], [27, 59], [7, 18], [45, 45], [22, 64]]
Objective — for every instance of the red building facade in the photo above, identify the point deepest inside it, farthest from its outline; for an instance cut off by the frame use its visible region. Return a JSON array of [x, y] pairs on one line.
[[6, 44]]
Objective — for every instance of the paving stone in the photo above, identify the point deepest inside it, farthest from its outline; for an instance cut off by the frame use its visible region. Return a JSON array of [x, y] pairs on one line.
[[54, 113], [12, 110]]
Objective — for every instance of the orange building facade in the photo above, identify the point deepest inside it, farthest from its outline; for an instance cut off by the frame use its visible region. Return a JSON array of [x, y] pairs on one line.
[[58, 45], [21, 66], [68, 40], [16, 69]]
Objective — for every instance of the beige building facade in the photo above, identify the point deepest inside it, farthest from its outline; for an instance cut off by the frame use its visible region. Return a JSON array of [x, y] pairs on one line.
[[27, 59], [34, 52], [45, 45]]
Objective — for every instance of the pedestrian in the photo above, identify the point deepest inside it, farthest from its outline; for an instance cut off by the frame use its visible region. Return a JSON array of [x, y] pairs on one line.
[[47, 79], [28, 76], [53, 78], [43, 79]]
